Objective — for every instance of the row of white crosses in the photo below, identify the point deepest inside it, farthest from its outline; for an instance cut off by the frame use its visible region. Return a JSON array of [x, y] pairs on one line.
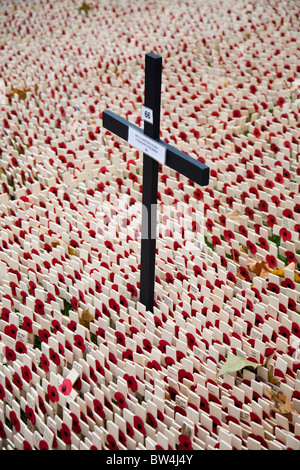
[[65, 241]]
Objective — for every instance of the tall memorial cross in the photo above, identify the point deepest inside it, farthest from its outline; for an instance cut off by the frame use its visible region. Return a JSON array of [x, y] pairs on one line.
[[155, 151]]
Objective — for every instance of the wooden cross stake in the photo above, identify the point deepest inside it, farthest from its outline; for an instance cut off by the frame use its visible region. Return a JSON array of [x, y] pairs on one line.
[[155, 151]]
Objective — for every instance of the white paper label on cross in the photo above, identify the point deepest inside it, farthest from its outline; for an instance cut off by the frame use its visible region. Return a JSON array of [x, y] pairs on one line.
[[147, 145]]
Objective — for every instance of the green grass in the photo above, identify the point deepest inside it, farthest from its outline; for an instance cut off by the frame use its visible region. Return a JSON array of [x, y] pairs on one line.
[[67, 308]]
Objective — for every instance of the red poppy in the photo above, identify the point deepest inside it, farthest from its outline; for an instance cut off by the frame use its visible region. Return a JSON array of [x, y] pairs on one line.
[[290, 256], [288, 213], [2, 431], [26, 373], [275, 199], [209, 225], [32, 287], [162, 345], [236, 113], [129, 429], [216, 240], [65, 434], [229, 235], [131, 289], [14, 420], [98, 408], [44, 335], [112, 445], [272, 261], [54, 357], [198, 194], [39, 307], [273, 287], [121, 402], [249, 212], [52, 393], [263, 206], [169, 278], [285, 234], [75, 423], [139, 425], [244, 195], [27, 324], [75, 303], [11, 330], [256, 132], [179, 355], [17, 381], [120, 338], [30, 415], [42, 405], [79, 342], [10, 354], [128, 354], [56, 326], [131, 382], [279, 178], [169, 361], [269, 184], [147, 344], [231, 277], [65, 387], [243, 231], [5, 314], [292, 304], [154, 365], [184, 442], [263, 243], [271, 220], [251, 247], [122, 437], [288, 283], [44, 362], [2, 392], [20, 347], [183, 374], [26, 445], [191, 340], [151, 420], [43, 445]]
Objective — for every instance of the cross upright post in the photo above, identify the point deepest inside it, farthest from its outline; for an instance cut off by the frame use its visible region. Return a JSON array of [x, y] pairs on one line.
[[153, 71], [155, 151]]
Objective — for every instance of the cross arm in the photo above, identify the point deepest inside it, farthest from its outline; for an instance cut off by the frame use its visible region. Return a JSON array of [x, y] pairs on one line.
[[175, 159], [186, 165]]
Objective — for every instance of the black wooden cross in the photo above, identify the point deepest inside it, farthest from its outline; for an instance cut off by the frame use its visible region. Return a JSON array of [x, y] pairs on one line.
[[155, 151]]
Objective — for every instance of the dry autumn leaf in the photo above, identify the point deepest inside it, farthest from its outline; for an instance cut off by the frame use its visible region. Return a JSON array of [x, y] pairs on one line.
[[282, 405], [257, 266], [233, 215], [86, 318]]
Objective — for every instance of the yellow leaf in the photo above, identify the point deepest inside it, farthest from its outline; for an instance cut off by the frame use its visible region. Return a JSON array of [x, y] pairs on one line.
[[85, 318], [71, 250], [278, 272]]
